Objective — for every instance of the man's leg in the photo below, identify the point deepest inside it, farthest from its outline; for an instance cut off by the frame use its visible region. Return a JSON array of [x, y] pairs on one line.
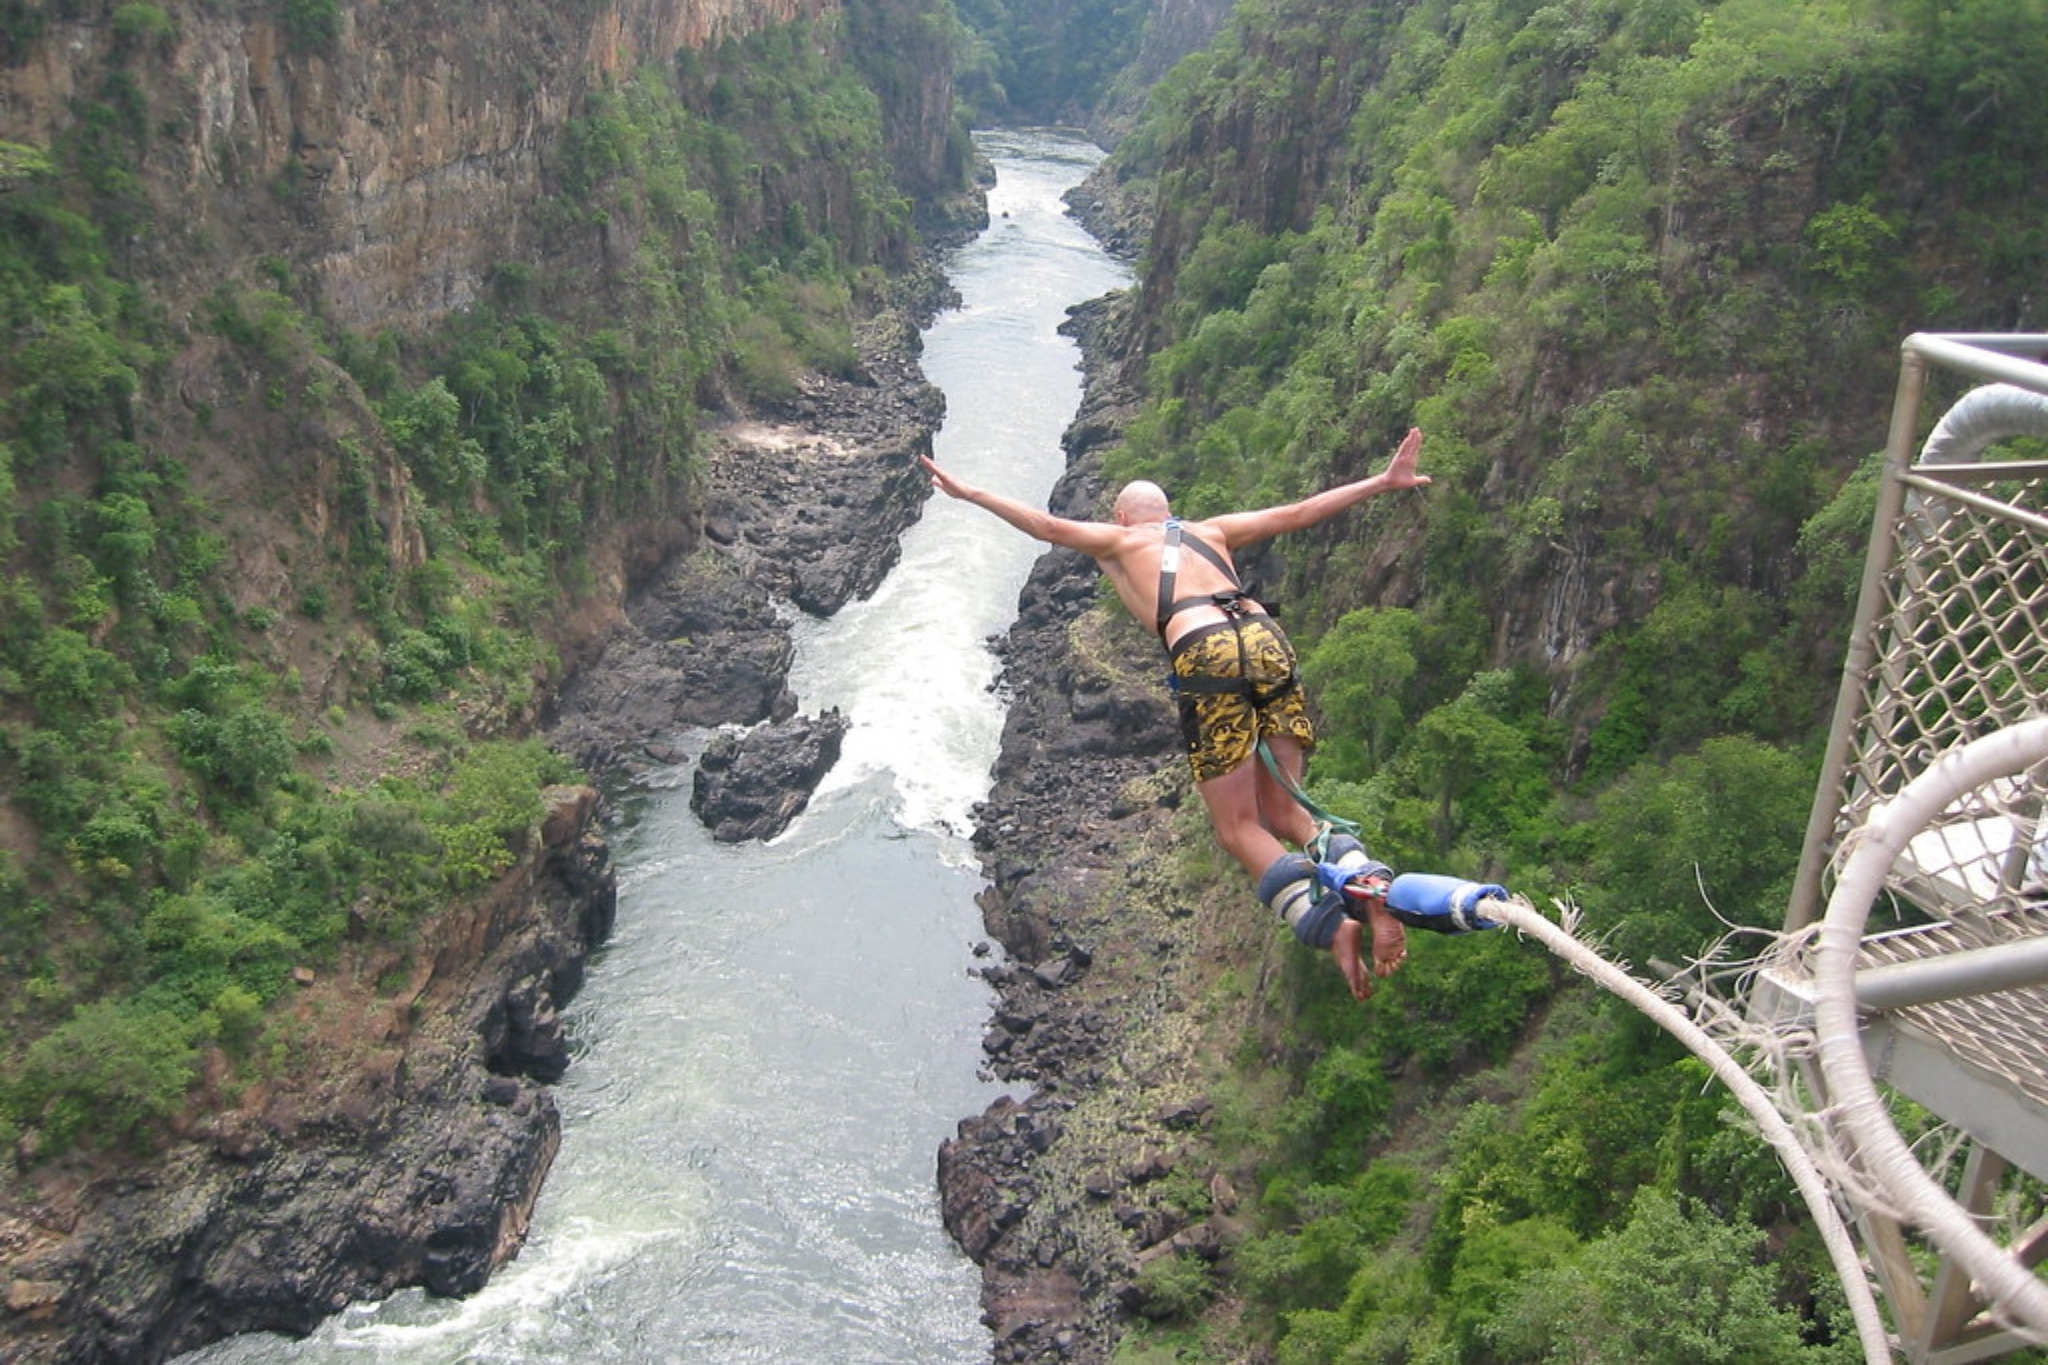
[[1219, 736], [1286, 880], [1279, 812], [1234, 813]]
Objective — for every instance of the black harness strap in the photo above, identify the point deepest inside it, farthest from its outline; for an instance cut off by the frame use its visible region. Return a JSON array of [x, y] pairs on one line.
[[1169, 570], [1241, 685]]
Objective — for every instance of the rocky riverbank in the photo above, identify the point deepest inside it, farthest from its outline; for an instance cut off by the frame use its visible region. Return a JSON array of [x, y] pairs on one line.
[[1065, 1196], [1108, 1004], [403, 1144], [806, 504]]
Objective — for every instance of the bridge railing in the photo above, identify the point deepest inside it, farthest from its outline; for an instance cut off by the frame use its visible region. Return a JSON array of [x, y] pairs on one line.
[[1950, 640]]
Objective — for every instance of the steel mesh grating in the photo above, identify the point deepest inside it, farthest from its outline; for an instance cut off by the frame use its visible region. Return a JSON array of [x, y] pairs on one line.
[[1961, 650]]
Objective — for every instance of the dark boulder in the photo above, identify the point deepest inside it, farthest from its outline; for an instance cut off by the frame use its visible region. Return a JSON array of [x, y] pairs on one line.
[[751, 786]]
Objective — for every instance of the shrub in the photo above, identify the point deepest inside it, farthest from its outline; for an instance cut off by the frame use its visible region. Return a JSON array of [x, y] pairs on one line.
[[1173, 1288], [139, 25], [415, 664], [72, 676], [244, 753], [310, 25], [234, 1017], [110, 1075], [492, 802]]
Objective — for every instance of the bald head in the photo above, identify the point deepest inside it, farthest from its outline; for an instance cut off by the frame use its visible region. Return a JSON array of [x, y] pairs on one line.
[[1141, 501]]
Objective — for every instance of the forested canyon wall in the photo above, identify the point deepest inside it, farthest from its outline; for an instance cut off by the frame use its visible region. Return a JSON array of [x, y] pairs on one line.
[[1641, 271], [398, 152], [361, 360]]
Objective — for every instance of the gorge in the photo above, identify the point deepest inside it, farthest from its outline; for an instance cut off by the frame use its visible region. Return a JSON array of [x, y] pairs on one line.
[[399, 398]]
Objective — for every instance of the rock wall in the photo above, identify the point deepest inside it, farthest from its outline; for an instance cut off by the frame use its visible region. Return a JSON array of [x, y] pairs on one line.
[[399, 161]]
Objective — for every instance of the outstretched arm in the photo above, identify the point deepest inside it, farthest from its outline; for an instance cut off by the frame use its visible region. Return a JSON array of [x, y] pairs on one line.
[[1246, 528], [1094, 538]]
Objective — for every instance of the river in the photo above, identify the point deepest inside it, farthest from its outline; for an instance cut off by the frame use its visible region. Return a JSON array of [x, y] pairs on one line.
[[777, 1038]]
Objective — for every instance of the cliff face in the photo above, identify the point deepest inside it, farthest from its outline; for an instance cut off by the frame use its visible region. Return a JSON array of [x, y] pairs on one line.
[[398, 160], [380, 171]]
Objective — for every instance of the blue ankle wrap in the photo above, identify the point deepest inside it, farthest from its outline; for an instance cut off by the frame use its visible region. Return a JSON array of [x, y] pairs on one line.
[[1333, 876], [1344, 858]]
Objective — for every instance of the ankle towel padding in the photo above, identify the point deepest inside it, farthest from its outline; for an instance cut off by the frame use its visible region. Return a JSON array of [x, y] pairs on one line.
[[1288, 888]]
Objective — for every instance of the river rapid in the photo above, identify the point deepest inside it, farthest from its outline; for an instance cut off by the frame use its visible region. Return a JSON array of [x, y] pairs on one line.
[[778, 1037]]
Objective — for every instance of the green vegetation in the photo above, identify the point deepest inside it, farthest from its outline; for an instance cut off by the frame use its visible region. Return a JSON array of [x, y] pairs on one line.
[[275, 595], [310, 25], [1639, 268], [1046, 61]]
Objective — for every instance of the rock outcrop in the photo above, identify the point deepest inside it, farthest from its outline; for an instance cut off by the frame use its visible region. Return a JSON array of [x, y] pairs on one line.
[[807, 505], [751, 786], [412, 1155]]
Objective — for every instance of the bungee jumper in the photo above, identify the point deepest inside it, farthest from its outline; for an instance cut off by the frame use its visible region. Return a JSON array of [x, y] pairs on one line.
[[1234, 678]]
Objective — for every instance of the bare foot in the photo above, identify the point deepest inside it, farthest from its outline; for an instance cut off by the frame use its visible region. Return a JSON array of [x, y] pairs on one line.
[[1389, 940], [1349, 950], [1389, 935]]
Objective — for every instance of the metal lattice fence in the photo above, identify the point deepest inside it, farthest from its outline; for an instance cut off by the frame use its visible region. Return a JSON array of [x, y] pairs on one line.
[[1951, 640], [1930, 808]]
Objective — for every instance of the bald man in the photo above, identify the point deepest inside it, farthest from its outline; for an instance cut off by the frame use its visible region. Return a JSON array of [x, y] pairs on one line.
[[1235, 680]]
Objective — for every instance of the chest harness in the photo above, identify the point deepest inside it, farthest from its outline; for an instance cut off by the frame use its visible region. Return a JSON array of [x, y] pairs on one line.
[[1236, 605]]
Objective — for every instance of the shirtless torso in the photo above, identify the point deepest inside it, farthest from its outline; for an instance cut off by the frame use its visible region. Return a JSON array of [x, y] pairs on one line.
[[1133, 568]]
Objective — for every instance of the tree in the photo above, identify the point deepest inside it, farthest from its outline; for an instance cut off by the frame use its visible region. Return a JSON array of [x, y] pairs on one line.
[[1359, 674], [1717, 830], [1465, 753], [115, 1071], [1670, 1288]]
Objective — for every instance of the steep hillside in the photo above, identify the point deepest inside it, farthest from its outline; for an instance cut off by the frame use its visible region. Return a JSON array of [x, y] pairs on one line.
[[1639, 270]]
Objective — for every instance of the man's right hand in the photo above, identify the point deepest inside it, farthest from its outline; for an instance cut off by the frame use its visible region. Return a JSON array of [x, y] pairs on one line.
[[943, 481]]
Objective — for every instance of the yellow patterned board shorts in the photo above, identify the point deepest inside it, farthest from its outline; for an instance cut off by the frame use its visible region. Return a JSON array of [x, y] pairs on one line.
[[1222, 728]]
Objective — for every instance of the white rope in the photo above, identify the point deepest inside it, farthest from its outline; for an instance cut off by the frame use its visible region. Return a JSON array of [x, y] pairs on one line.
[[2017, 1294], [1870, 1329]]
